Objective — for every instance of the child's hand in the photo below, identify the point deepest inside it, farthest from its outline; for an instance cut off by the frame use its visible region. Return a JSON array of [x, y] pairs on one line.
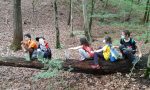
[[92, 51], [115, 46], [140, 55], [129, 48]]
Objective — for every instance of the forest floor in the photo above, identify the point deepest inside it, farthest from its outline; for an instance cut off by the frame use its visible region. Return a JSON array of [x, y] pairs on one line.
[[41, 24]]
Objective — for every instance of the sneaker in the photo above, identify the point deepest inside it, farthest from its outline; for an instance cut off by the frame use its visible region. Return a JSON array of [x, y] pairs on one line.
[[95, 66]]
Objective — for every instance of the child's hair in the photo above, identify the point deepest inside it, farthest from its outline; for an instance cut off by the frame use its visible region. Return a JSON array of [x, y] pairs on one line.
[[108, 40], [37, 38], [127, 33], [28, 35], [84, 41]]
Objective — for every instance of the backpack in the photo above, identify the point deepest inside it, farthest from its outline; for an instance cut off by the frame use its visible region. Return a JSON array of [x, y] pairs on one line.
[[88, 49], [114, 54], [48, 53], [46, 50]]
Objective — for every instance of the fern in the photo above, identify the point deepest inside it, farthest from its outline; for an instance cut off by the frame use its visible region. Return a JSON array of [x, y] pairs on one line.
[[54, 68]]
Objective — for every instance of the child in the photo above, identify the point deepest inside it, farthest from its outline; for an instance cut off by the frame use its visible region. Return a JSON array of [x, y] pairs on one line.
[[128, 46], [102, 53], [43, 48], [85, 50], [29, 45]]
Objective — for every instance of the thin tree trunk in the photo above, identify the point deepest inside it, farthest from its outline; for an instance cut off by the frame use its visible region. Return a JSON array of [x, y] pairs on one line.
[[130, 12], [69, 18], [105, 4], [147, 10], [86, 23], [17, 22], [56, 25], [147, 73], [91, 19]]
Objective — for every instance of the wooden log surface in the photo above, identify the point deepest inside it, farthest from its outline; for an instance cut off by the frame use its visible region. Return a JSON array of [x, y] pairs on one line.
[[107, 67], [78, 66], [20, 62]]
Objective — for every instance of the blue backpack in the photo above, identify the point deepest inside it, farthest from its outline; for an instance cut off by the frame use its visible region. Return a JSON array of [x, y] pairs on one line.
[[114, 54]]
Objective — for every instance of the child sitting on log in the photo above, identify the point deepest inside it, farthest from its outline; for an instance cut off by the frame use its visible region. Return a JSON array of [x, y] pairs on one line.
[[103, 53], [128, 46], [43, 48], [85, 50], [29, 45]]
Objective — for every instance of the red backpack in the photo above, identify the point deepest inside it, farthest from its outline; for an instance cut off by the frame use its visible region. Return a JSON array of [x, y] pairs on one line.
[[88, 49]]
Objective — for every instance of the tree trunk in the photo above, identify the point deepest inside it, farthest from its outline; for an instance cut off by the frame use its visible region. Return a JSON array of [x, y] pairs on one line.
[[105, 4], [130, 12], [86, 23], [147, 11], [17, 22], [147, 73], [107, 67], [20, 62], [56, 25], [91, 19], [69, 17]]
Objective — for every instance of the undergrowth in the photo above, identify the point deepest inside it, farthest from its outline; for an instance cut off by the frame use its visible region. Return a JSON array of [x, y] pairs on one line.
[[54, 66]]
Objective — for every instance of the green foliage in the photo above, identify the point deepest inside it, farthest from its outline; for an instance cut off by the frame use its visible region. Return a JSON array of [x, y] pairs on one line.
[[56, 63], [54, 68], [15, 47], [106, 15], [47, 74], [122, 11], [147, 73], [116, 42], [79, 33]]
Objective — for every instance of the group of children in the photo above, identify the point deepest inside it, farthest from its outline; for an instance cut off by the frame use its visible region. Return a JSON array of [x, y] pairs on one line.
[[128, 48], [38, 48]]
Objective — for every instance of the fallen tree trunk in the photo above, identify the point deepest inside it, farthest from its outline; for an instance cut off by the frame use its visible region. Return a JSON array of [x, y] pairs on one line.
[[107, 67], [77, 66], [20, 62]]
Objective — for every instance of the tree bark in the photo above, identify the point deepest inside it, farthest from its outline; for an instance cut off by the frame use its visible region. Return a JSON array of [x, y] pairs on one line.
[[147, 73], [147, 11], [20, 62], [17, 22], [69, 17], [86, 23], [91, 19], [107, 67], [56, 25]]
